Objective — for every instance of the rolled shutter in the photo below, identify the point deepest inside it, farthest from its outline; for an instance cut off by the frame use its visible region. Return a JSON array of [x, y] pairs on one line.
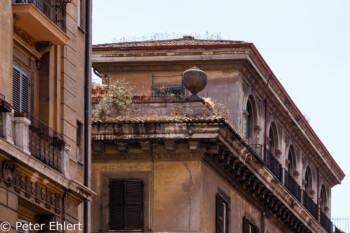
[[16, 94], [116, 205], [133, 205]]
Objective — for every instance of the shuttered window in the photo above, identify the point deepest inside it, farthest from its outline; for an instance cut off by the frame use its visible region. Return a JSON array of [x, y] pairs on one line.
[[221, 215], [21, 91], [126, 205], [248, 227]]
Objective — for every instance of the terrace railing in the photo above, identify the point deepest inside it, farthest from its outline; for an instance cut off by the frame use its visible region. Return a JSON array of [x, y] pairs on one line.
[[54, 10], [292, 185], [45, 143], [309, 204]]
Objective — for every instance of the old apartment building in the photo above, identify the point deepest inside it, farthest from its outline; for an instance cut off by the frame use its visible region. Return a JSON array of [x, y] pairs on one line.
[[43, 158], [168, 164]]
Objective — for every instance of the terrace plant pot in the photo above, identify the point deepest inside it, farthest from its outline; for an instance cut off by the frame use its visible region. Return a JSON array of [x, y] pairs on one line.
[[141, 98]]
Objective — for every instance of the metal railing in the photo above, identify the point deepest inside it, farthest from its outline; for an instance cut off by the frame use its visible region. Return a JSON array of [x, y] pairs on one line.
[[309, 204], [273, 165], [54, 10], [292, 185], [326, 222], [164, 89], [45, 143]]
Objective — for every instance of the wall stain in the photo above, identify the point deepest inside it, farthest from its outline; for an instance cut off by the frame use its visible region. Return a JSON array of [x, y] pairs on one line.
[[187, 188]]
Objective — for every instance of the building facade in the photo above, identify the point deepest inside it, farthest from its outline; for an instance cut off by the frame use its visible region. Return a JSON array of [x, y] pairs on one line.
[[192, 166], [42, 167]]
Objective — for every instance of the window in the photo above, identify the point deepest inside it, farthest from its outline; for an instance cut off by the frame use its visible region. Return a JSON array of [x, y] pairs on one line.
[[249, 227], [21, 91], [126, 205], [222, 209], [249, 120], [81, 14]]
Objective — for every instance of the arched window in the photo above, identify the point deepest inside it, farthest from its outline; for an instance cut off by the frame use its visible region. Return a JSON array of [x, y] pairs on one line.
[[249, 120], [291, 161], [308, 181], [273, 142], [323, 199]]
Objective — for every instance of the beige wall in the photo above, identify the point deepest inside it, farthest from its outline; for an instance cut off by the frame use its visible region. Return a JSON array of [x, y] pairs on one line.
[[6, 49]]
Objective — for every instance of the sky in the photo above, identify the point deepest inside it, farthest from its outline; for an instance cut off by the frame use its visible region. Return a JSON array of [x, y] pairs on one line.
[[305, 43]]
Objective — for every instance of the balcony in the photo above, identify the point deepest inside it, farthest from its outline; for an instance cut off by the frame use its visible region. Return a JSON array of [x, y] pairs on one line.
[[309, 204], [292, 185], [45, 144], [44, 20], [326, 222], [273, 165]]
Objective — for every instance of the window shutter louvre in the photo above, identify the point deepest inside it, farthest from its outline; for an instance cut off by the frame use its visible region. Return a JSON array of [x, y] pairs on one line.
[[16, 94], [133, 205], [245, 225], [116, 202], [25, 94], [220, 208]]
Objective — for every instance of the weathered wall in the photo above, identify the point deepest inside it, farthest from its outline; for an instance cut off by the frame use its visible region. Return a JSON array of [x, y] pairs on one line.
[[172, 193], [6, 49]]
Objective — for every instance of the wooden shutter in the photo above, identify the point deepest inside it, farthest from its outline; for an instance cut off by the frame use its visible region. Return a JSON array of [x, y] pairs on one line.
[[220, 209], [25, 93], [133, 205], [116, 205], [246, 225], [16, 94]]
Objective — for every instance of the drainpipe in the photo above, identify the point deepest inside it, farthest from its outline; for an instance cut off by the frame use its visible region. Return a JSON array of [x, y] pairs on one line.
[[87, 107], [265, 130], [318, 193]]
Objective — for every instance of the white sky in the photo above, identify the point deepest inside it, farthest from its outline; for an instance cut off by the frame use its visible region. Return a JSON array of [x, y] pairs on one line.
[[305, 43]]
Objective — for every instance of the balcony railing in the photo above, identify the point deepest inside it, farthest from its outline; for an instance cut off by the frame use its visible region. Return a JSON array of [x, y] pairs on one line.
[[292, 185], [45, 144], [273, 165], [309, 204], [326, 222], [54, 10]]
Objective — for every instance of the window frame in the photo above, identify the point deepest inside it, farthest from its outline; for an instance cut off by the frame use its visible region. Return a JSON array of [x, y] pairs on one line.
[[220, 198]]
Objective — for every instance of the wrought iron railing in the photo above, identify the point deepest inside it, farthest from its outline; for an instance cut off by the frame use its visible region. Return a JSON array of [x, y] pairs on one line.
[[45, 143], [54, 10], [309, 204], [326, 222], [292, 185], [273, 165]]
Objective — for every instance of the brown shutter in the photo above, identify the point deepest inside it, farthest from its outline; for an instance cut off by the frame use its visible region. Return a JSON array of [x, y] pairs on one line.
[[116, 205], [16, 94], [25, 93], [220, 209], [133, 205], [245, 225]]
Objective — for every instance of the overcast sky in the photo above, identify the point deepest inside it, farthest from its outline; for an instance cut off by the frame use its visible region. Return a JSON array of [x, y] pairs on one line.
[[305, 43]]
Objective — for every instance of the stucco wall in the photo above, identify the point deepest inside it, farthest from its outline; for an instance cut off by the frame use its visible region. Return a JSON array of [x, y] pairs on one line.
[[6, 49]]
